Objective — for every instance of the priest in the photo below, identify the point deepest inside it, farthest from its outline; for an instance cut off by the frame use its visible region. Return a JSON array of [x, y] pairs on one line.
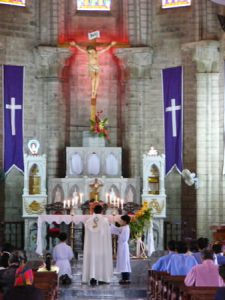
[[97, 261]]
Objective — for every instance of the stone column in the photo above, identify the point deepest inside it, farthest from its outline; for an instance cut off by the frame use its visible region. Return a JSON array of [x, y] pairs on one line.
[[50, 65], [136, 66], [208, 127]]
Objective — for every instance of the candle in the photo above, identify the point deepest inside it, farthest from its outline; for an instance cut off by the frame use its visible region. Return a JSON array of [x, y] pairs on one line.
[[118, 202], [73, 202], [64, 203], [68, 203], [76, 200], [81, 198], [121, 203], [107, 197]]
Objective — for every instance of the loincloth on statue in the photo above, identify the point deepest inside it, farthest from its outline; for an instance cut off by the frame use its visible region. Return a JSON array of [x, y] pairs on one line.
[[93, 68]]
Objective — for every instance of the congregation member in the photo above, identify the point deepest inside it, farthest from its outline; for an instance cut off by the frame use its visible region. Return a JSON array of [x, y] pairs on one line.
[[220, 293], [203, 244], [123, 252], [217, 248], [204, 274], [62, 255], [162, 262], [181, 262], [23, 286], [7, 276], [97, 257]]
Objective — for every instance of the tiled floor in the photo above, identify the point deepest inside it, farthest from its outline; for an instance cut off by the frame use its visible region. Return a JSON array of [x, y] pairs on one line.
[[113, 291]]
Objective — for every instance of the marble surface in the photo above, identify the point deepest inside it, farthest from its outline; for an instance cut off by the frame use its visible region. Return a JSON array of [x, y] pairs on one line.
[[135, 291]]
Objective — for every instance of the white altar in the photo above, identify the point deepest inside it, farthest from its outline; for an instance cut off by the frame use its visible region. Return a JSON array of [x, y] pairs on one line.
[[67, 219]]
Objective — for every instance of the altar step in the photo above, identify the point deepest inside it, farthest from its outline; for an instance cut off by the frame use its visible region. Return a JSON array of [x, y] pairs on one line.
[[113, 291]]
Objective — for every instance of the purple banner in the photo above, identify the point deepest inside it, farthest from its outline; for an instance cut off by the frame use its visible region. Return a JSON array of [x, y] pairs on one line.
[[13, 117], [173, 117]]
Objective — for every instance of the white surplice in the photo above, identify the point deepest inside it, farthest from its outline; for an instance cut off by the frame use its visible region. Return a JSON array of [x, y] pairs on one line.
[[97, 261], [62, 255], [123, 252]]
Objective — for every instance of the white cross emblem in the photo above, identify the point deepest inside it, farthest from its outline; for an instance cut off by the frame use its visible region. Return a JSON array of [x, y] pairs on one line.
[[173, 108], [13, 107]]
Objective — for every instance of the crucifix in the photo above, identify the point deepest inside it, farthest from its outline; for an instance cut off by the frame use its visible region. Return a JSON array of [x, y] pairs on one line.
[[173, 108], [13, 107], [93, 62]]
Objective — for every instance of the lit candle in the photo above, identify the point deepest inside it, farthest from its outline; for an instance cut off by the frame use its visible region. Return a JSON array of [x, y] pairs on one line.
[[121, 203], [118, 202], [76, 200], [68, 203], [73, 202], [64, 203]]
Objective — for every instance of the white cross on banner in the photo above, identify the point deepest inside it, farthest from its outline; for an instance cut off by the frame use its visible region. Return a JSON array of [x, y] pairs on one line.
[[13, 107], [173, 108]]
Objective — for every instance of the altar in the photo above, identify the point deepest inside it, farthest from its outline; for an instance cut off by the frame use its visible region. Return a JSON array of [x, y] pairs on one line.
[[67, 219]]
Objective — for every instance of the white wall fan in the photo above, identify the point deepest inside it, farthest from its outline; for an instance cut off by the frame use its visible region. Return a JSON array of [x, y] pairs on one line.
[[190, 178]]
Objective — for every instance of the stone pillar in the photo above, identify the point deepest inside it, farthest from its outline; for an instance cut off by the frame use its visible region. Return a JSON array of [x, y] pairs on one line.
[[136, 66], [208, 127], [50, 63]]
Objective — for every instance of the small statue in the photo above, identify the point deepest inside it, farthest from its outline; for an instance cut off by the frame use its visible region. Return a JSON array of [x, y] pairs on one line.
[[95, 186]]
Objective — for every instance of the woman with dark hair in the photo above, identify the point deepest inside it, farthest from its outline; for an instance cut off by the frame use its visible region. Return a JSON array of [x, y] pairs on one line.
[[123, 253]]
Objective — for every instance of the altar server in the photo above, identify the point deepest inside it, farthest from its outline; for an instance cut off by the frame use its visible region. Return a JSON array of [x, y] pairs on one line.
[[97, 261], [123, 253], [62, 255]]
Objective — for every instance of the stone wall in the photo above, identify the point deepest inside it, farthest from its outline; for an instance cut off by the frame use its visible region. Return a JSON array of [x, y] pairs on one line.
[[57, 92]]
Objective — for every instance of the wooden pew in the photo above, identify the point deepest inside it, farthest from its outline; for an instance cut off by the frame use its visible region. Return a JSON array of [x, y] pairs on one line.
[[48, 282], [155, 284], [198, 293], [171, 287]]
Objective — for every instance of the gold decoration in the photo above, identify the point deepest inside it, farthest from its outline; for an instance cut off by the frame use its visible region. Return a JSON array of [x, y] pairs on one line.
[[155, 205], [34, 207]]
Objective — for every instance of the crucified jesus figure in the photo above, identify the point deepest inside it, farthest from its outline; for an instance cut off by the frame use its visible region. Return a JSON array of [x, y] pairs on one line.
[[93, 64]]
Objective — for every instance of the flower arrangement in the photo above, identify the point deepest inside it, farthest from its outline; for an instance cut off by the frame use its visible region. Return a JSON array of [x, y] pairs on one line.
[[99, 126], [140, 220]]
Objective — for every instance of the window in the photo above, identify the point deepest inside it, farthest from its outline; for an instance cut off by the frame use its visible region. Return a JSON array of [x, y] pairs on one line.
[[14, 2], [93, 5], [175, 3]]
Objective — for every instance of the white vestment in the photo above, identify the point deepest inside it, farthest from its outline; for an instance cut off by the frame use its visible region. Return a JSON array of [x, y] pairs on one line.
[[97, 261], [62, 255], [123, 253]]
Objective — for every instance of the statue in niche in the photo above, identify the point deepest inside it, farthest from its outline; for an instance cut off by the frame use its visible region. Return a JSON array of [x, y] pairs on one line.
[[58, 195]]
